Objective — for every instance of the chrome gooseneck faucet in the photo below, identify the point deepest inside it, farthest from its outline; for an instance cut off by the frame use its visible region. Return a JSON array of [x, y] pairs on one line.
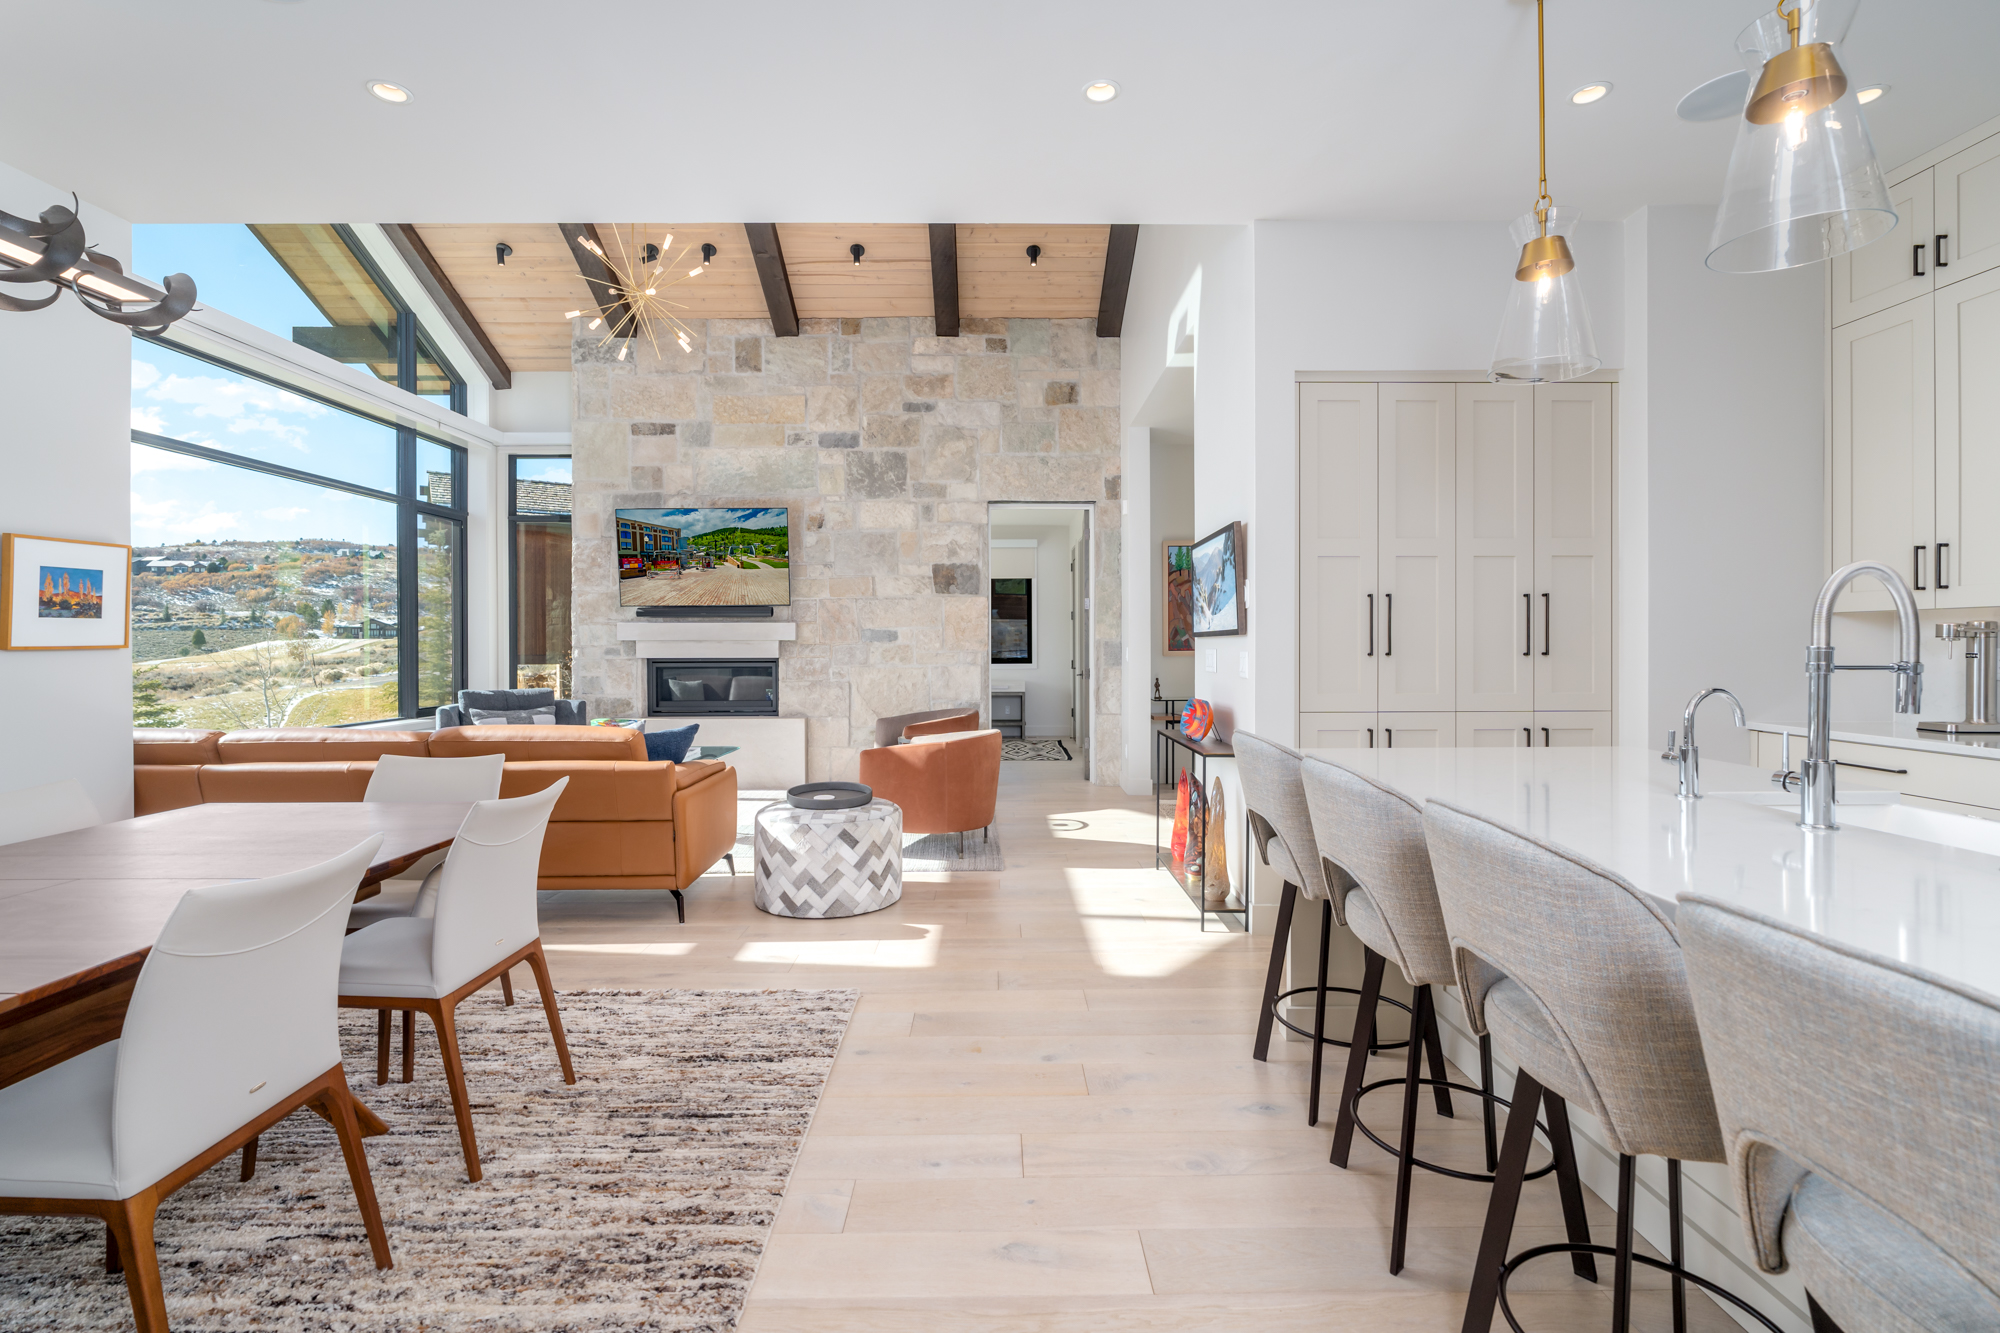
[[1816, 775], [1685, 755]]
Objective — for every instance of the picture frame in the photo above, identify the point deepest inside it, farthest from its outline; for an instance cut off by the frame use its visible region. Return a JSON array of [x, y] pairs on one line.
[[62, 593], [1219, 582], [1177, 596]]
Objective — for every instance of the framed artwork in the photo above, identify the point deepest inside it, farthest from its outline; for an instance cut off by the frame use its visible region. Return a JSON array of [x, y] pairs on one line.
[[57, 593], [1013, 608], [1218, 583], [1177, 595]]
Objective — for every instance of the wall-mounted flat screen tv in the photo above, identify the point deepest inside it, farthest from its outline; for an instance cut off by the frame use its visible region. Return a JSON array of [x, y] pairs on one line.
[[704, 557]]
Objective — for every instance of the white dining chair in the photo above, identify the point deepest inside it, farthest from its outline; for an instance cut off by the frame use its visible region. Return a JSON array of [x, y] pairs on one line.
[[485, 922], [232, 1026], [43, 812], [406, 779]]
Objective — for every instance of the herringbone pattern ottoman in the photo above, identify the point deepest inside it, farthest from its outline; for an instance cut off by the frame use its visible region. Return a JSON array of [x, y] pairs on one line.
[[818, 863]]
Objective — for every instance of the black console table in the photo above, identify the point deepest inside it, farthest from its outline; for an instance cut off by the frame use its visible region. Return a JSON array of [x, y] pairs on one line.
[[1166, 766]]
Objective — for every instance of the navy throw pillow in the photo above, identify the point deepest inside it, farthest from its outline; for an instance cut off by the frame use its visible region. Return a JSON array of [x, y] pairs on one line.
[[671, 744]]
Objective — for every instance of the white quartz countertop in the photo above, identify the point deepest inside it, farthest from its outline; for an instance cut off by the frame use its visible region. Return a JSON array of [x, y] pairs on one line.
[[1883, 733], [1923, 903]]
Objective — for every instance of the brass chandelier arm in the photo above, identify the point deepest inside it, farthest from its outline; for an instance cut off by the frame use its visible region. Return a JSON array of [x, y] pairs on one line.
[[1543, 201]]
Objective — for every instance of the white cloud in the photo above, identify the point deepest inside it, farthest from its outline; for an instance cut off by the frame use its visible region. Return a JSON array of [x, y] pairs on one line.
[[282, 515], [213, 397], [175, 520], [148, 420], [163, 460], [270, 425], [143, 373]]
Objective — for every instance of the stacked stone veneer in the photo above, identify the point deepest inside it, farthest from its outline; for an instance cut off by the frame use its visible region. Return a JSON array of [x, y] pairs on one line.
[[886, 443]]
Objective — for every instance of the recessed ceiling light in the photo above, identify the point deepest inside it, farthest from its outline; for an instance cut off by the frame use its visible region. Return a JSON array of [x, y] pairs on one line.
[[1870, 93], [1590, 92], [389, 92], [1101, 91]]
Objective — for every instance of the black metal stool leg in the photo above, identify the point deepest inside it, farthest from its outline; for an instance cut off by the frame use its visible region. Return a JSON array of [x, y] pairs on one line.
[[1486, 1102], [1502, 1205], [1434, 1048], [1319, 1009], [1359, 1044], [1281, 936], [1678, 1254], [1399, 1230], [1568, 1185], [1621, 1273]]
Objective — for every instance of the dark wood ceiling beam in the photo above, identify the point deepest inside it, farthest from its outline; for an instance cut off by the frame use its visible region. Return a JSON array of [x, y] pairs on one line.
[[596, 273], [770, 257], [458, 316], [1117, 279], [944, 277]]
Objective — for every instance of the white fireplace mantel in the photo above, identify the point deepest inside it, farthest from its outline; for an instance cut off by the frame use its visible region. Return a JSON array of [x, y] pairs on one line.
[[708, 638]]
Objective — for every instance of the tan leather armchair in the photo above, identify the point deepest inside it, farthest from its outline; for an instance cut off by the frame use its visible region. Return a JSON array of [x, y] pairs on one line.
[[948, 783]]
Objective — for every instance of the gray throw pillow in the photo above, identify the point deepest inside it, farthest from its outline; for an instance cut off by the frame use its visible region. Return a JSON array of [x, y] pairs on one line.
[[538, 717], [687, 691]]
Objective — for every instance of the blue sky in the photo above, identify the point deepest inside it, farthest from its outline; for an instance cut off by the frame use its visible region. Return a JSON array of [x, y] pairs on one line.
[[694, 522], [232, 272]]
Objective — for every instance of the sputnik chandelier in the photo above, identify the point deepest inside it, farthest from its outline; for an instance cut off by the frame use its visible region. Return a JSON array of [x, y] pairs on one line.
[[53, 250], [634, 288]]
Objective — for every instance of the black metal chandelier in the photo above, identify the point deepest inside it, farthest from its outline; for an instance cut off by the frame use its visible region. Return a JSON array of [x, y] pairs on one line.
[[53, 250]]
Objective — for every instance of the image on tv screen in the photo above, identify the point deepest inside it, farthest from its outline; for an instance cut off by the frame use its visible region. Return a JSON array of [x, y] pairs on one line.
[[704, 557]]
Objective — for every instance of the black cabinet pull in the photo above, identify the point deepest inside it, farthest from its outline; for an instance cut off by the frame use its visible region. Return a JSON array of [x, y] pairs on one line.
[[1389, 735], [1545, 624], [1527, 623], [1371, 624], [1942, 547], [1917, 260], [1545, 738], [1917, 566], [1529, 737], [1937, 256], [1388, 624], [1371, 738]]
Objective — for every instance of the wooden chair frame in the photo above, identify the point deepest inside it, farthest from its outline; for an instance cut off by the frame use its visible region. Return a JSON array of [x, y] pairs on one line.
[[443, 1018], [129, 1221]]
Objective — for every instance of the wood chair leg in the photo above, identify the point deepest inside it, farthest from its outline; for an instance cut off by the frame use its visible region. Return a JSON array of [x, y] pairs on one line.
[[132, 1225], [507, 988], [1360, 1046], [1502, 1204], [113, 1265], [1568, 1184], [338, 1103], [1434, 1051], [1282, 933], [1399, 1228], [409, 1046], [461, 1099], [1319, 1011], [381, 1046], [540, 964], [249, 1167]]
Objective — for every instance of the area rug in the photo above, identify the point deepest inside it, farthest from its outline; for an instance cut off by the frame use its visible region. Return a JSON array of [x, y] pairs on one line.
[[939, 851], [1048, 750], [639, 1199]]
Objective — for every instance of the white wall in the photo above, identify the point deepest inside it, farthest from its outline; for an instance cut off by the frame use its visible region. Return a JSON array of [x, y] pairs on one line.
[[66, 446], [1051, 682], [539, 401], [1172, 519]]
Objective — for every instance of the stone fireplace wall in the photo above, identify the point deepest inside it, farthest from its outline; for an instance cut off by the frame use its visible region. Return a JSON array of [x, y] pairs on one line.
[[887, 443]]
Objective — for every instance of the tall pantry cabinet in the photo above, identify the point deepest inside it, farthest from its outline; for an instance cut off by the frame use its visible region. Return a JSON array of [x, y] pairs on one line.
[[1455, 581], [1914, 427]]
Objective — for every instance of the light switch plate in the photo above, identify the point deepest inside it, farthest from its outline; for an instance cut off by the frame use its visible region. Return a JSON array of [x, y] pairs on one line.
[[1211, 659], [1243, 665]]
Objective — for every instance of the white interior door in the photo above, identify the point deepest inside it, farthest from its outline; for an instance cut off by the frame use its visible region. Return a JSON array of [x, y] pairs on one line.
[[1337, 731], [1885, 481], [1338, 657], [1966, 570], [1552, 729], [1572, 603], [1890, 270], [1410, 730], [1496, 730], [1080, 640], [1417, 478], [1496, 546], [1967, 190]]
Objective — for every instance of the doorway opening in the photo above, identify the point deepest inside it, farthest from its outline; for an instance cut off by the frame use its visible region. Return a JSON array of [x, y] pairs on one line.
[[1039, 666]]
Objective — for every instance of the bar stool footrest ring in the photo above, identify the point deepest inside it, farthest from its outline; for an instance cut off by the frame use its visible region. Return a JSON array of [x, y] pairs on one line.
[[1485, 1177], [1290, 1026], [1541, 1251]]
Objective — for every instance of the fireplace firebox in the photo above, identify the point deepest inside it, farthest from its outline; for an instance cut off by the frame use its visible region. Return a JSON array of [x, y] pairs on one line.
[[712, 687]]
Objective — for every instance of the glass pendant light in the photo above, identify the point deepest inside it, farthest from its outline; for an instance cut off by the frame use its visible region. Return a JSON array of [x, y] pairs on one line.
[[1803, 182], [1545, 332]]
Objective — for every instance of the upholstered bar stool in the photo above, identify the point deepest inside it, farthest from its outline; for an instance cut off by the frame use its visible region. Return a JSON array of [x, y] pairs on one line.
[[1372, 838], [1281, 831], [1862, 1119], [1579, 976]]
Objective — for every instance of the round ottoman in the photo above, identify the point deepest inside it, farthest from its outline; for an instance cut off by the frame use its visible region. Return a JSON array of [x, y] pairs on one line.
[[820, 863]]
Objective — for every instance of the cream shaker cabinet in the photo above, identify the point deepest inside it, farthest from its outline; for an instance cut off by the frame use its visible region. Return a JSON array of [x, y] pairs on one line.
[[1885, 451]]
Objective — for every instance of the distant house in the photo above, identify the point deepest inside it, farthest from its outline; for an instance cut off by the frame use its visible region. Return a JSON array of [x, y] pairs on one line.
[[541, 497], [369, 627], [164, 565]]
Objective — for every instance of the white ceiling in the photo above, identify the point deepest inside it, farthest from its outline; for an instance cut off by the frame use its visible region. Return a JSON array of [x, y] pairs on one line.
[[911, 110]]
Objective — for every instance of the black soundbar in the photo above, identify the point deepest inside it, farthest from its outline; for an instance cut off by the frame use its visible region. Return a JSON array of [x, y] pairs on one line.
[[704, 612]]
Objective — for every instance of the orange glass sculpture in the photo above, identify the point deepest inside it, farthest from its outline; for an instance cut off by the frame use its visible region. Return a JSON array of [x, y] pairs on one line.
[[1197, 720], [1179, 845]]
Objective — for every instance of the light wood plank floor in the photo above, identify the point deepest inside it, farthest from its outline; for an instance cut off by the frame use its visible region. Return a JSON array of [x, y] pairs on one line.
[[1045, 1115]]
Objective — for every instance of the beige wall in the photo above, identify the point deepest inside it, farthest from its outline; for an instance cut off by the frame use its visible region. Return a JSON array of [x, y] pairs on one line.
[[886, 443]]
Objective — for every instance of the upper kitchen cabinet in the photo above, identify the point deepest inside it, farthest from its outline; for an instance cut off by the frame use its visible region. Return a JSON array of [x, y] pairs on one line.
[[1966, 189], [1338, 523], [1967, 571], [1416, 477], [1573, 547], [1884, 451], [1893, 269], [1947, 230]]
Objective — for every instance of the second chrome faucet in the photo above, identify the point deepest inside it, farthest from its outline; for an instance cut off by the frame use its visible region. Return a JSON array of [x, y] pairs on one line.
[[1686, 756]]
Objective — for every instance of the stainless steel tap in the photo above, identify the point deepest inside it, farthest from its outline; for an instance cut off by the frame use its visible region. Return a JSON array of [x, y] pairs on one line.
[[1686, 756], [1982, 677], [1816, 774]]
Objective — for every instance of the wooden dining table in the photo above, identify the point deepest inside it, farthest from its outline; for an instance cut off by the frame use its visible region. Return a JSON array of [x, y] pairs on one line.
[[79, 911]]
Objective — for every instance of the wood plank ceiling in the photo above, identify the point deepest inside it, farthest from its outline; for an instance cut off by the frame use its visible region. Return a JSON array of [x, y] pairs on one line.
[[521, 304]]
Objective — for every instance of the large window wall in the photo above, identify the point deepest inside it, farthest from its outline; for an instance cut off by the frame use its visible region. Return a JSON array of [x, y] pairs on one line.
[[294, 563]]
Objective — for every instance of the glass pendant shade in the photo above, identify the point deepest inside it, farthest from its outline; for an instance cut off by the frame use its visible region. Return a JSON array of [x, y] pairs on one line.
[[1803, 182], [1545, 333]]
